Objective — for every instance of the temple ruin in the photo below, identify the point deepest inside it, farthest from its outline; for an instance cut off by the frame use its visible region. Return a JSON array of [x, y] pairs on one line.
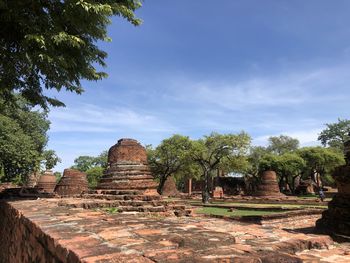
[[73, 182], [128, 169], [46, 182], [336, 220], [268, 186]]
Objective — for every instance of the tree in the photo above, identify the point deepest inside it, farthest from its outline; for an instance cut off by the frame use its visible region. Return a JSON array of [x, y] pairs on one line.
[[23, 138], [216, 150], [282, 144], [18, 156], [170, 157], [84, 162], [335, 134], [93, 175], [52, 44], [288, 167], [50, 159], [320, 161], [93, 166]]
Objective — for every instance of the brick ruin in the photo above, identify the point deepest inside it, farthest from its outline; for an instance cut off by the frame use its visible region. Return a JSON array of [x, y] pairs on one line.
[[268, 186], [169, 188], [336, 220], [127, 185], [46, 182], [73, 182], [128, 169]]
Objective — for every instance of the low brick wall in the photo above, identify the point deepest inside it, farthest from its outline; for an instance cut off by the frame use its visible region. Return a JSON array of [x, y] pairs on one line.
[[22, 241]]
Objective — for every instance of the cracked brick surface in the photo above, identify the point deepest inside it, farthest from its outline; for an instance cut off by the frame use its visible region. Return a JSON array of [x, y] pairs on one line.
[[98, 236]]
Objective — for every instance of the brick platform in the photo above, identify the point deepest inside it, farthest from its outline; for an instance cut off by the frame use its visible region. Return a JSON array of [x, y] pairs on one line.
[[45, 231]]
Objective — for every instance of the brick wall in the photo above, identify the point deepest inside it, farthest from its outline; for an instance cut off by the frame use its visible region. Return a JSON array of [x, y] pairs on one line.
[[22, 241]]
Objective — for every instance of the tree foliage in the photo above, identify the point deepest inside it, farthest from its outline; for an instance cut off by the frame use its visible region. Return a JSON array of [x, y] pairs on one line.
[[320, 160], [170, 157], [335, 134], [282, 144], [217, 150], [84, 162], [52, 44], [23, 138], [93, 166], [50, 159]]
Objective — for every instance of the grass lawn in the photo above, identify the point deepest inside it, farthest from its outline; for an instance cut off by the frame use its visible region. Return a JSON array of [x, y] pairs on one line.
[[225, 212], [260, 205]]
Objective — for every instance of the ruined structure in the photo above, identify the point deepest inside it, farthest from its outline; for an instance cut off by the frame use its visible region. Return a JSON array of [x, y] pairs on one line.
[[47, 182], [73, 182], [336, 220], [169, 188], [33, 179], [128, 169], [268, 186]]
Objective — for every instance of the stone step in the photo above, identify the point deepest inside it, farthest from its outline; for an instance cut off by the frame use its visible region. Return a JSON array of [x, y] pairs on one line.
[[141, 209], [122, 197]]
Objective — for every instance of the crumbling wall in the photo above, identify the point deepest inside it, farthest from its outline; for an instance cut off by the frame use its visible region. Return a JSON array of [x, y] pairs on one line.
[[22, 241]]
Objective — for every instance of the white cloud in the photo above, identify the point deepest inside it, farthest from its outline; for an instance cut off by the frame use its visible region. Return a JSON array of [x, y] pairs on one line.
[[91, 118]]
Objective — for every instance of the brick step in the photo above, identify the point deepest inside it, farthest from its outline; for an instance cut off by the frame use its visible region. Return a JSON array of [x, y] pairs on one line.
[[121, 197], [97, 203], [141, 209], [114, 192]]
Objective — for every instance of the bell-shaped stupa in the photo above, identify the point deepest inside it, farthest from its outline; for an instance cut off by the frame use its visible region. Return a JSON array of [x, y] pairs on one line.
[[128, 169]]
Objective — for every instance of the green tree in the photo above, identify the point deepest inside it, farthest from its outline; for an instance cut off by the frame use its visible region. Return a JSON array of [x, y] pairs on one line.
[[216, 150], [50, 159], [335, 134], [170, 157], [288, 167], [18, 155], [320, 161], [52, 44], [93, 166], [93, 175], [84, 162], [58, 176], [23, 139], [282, 144]]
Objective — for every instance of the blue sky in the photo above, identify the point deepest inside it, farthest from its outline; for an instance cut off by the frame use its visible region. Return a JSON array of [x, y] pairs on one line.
[[266, 67]]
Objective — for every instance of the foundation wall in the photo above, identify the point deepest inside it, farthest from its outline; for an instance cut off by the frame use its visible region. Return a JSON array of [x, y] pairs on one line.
[[23, 241]]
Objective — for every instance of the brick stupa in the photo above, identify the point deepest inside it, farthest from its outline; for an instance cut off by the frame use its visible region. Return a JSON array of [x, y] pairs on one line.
[[46, 182], [128, 169], [268, 186], [336, 219], [73, 182]]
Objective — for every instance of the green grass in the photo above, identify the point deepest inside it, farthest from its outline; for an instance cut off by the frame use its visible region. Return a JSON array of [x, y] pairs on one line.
[[225, 212], [111, 210], [257, 205]]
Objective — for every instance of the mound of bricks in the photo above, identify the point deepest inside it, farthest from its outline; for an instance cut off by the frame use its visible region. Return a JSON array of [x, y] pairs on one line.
[[47, 182], [336, 220], [128, 169], [128, 184], [73, 182], [268, 186]]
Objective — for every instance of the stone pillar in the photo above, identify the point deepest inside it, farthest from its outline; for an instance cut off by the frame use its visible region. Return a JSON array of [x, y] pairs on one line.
[[189, 187]]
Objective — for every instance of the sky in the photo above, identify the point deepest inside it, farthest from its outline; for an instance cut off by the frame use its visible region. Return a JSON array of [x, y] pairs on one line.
[[267, 67]]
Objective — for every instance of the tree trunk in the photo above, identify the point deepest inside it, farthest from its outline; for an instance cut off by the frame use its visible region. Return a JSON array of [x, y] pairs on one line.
[[205, 190], [161, 184]]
